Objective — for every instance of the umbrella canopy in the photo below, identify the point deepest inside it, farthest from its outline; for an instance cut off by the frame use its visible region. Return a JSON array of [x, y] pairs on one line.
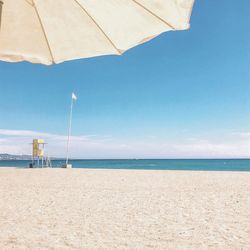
[[53, 31]]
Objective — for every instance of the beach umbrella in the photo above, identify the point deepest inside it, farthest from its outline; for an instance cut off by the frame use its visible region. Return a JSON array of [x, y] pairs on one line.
[[53, 31]]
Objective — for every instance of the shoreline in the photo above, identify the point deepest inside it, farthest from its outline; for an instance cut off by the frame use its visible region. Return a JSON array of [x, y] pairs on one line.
[[129, 169]]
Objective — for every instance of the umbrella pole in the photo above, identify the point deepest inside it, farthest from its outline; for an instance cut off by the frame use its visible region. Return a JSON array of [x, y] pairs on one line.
[[1, 5]]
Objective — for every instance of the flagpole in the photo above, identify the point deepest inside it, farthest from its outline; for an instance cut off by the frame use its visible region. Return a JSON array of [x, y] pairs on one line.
[[69, 132]]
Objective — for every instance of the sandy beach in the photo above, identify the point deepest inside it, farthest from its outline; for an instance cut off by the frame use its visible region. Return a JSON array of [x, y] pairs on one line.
[[123, 209]]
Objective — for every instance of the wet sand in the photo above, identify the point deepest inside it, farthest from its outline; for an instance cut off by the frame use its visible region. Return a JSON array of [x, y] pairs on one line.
[[123, 209]]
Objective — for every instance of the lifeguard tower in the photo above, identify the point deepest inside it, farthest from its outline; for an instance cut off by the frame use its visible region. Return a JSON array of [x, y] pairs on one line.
[[39, 160]]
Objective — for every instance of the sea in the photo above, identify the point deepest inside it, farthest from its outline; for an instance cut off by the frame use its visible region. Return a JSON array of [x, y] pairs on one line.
[[147, 164]]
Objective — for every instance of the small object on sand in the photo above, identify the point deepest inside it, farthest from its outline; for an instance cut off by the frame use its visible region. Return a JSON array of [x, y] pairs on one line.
[[67, 166]]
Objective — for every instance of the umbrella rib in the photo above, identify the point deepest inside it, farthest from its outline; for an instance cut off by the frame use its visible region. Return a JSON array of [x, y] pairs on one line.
[[44, 33], [99, 27], [152, 13]]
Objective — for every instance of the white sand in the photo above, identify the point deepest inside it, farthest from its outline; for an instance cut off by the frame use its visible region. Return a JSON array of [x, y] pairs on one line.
[[123, 209]]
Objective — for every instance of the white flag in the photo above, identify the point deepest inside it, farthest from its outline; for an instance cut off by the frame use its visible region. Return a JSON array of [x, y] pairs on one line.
[[74, 97]]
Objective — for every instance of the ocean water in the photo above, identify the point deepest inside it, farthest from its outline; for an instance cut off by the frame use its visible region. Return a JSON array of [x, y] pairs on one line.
[[155, 164]]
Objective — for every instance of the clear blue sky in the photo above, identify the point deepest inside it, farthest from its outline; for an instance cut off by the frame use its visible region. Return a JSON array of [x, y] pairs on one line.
[[183, 94]]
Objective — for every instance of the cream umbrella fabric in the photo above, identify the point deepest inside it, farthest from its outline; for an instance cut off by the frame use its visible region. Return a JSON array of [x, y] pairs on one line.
[[53, 31]]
